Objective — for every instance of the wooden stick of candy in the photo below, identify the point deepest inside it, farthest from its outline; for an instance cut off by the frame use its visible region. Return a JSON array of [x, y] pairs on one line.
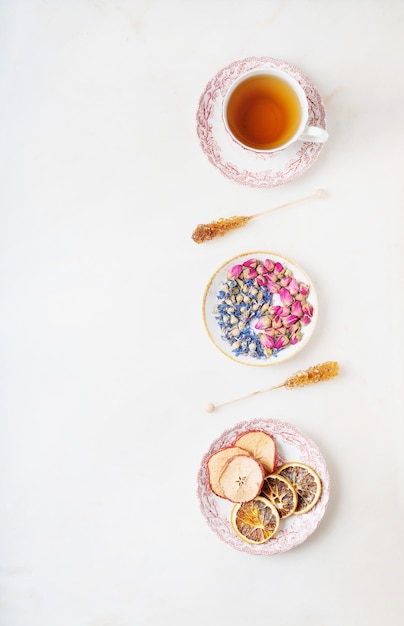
[[315, 374], [205, 232]]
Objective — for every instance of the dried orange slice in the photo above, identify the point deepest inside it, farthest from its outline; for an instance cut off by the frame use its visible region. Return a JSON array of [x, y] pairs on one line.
[[216, 464], [281, 493], [242, 478], [255, 521], [306, 483]]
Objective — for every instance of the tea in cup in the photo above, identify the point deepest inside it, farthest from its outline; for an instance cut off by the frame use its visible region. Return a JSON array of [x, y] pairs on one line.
[[266, 110]]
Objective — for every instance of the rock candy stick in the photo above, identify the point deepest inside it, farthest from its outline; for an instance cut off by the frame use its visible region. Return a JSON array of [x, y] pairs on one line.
[[205, 232], [315, 374]]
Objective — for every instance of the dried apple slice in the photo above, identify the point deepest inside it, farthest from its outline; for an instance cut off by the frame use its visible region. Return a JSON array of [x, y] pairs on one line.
[[261, 446], [242, 478], [216, 464]]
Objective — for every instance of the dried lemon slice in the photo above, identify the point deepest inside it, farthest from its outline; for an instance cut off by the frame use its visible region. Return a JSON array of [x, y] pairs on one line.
[[255, 521], [281, 493], [305, 481]]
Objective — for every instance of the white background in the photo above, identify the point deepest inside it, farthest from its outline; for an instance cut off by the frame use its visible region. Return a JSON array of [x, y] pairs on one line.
[[105, 364]]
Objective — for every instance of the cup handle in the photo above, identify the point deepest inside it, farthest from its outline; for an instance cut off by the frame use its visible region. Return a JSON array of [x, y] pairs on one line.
[[314, 134]]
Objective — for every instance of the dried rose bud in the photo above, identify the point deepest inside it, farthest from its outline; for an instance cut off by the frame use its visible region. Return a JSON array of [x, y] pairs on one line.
[[272, 287], [296, 309], [285, 296], [307, 308], [290, 320], [235, 271], [295, 338], [250, 263], [263, 322], [294, 287], [277, 321], [281, 342], [267, 341], [304, 289], [249, 273]]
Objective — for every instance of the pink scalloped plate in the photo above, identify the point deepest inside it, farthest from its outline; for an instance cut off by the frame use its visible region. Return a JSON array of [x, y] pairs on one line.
[[246, 167], [292, 445]]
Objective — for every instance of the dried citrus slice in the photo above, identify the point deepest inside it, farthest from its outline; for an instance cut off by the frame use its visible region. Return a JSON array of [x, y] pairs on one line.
[[305, 481], [281, 493], [261, 446], [255, 521], [216, 464], [242, 478]]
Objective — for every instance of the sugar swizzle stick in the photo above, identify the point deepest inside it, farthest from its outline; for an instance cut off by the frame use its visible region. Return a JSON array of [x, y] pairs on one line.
[[316, 374], [205, 232]]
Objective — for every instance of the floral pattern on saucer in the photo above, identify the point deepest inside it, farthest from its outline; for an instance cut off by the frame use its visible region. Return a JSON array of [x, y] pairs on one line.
[[249, 168]]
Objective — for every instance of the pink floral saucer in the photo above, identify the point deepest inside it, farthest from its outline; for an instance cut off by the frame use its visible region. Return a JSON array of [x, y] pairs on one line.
[[292, 445], [249, 168]]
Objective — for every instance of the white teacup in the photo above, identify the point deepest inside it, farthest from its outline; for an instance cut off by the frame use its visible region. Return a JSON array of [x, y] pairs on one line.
[[266, 110]]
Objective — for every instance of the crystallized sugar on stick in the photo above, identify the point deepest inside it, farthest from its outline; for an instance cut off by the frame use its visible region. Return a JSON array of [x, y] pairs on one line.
[[205, 232], [315, 374]]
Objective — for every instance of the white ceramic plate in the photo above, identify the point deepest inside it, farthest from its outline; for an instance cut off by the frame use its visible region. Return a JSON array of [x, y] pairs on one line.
[[239, 164], [292, 445], [213, 317]]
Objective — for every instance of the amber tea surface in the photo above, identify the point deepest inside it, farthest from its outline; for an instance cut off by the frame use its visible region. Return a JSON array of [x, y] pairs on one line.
[[263, 112]]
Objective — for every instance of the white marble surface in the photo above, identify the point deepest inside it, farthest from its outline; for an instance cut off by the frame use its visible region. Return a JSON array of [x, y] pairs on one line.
[[105, 364]]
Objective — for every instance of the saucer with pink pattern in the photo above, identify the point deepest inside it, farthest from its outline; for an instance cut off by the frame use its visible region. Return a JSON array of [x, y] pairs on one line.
[[255, 169], [291, 445]]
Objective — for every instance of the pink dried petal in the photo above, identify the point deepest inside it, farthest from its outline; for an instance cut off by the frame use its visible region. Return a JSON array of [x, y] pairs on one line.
[[261, 269], [235, 271], [294, 287], [295, 327], [307, 309], [272, 287], [297, 309], [305, 320], [277, 322], [261, 281], [269, 264], [290, 320], [271, 332], [304, 289], [285, 296], [278, 269], [281, 342], [295, 339], [285, 280], [267, 341], [249, 273], [250, 263], [284, 311], [263, 322], [275, 310]]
